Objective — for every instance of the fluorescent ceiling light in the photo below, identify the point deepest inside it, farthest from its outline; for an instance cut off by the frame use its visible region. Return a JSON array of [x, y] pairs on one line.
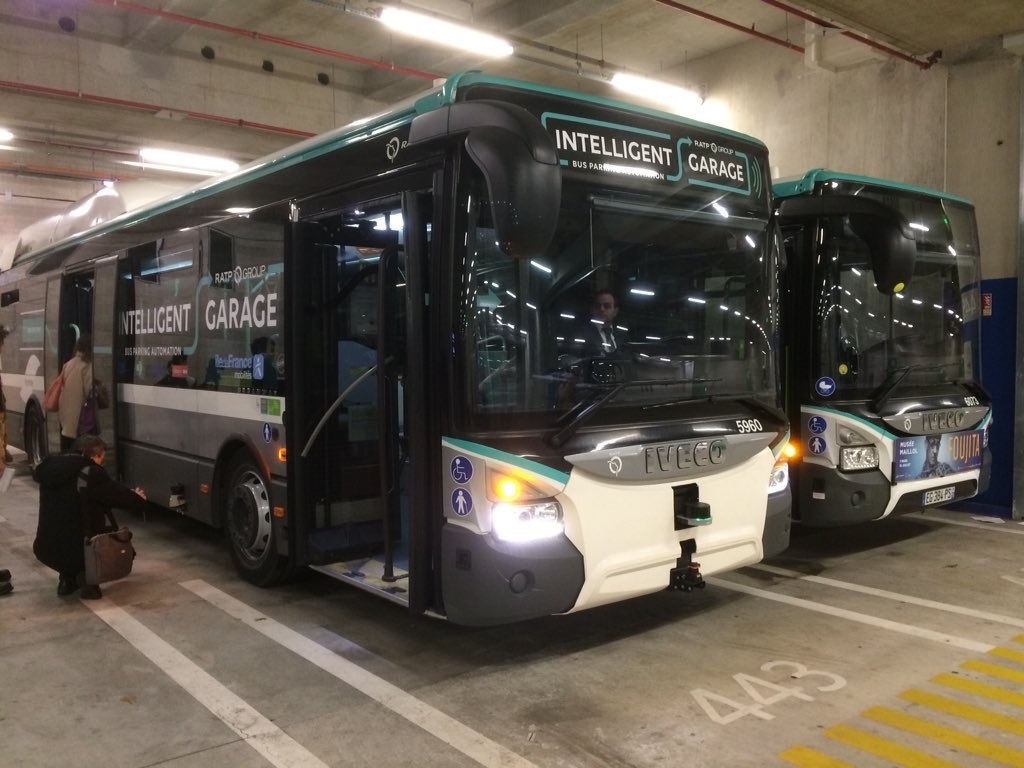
[[169, 168], [193, 162], [673, 95], [5, 135], [445, 33]]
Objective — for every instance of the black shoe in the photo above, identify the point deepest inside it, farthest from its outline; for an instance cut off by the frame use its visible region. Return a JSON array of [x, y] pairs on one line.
[[66, 586], [91, 592], [5, 575], [6, 587]]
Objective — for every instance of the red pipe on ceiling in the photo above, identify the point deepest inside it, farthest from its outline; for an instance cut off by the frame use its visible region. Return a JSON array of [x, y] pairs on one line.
[[732, 25], [111, 101], [253, 35], [934, 57]]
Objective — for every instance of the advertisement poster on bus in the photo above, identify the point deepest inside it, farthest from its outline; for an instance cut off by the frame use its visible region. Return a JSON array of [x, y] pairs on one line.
[[926, 456]]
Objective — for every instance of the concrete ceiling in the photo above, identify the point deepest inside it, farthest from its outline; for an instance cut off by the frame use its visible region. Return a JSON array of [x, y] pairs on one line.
[[85, 83]]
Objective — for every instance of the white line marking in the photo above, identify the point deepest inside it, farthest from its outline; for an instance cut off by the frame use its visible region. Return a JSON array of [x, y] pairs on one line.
[[979, 526], [1015, 580], [948, 607], [258, 732], [863, 618], [470, 743]]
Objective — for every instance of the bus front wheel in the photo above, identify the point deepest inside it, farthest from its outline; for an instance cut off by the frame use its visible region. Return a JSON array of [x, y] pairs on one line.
[[249, 526]]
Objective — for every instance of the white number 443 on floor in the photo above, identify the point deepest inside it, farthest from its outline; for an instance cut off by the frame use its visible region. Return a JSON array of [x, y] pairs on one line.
[[763, 693]]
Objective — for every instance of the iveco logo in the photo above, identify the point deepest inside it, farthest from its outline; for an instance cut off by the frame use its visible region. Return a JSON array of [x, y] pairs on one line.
[[670, 458], [938, 421]]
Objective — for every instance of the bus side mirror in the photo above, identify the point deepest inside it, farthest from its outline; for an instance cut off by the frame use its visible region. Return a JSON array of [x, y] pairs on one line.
[[884, 230], [518, 160], [892, 254]]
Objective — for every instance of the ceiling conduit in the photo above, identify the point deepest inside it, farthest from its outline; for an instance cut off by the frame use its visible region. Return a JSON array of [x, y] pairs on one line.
[[253, 35], [733, 25], [111, 101], [926, 64]]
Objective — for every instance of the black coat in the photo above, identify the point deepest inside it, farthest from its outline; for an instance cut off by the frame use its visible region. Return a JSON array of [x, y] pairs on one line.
[[99, 492], [58, 542]]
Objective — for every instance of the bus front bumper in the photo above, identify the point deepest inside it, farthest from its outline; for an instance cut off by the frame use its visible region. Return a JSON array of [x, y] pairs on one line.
[[485, 581]]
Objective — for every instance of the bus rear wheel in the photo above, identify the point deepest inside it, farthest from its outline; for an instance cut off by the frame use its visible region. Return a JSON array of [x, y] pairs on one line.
[[249, 524]]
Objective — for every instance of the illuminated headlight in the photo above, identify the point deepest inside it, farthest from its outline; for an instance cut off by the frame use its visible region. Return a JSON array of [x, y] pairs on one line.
[[527, 522], [859, 457], [778, 480]]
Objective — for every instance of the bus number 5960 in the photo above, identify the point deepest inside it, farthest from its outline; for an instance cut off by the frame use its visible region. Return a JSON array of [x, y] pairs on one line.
[[748, 425]]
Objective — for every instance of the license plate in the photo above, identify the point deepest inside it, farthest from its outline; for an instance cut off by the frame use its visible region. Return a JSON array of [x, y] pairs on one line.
[[939, 495]]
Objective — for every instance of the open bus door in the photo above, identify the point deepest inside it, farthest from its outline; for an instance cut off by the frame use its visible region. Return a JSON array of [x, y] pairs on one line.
[[348, 464]]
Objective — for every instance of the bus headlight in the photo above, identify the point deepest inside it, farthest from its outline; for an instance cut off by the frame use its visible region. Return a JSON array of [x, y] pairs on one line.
[[527, 522], [778, 480], [858, 457]]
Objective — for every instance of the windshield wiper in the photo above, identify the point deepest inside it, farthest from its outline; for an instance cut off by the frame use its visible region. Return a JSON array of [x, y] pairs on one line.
[[884, 390], [583, 411]]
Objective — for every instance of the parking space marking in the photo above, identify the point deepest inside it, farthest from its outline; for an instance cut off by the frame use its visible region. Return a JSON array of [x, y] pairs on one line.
[[951, 737], [887, 750], [977, 688], [449, 730], [994, 670], [965, 711], [862, 618], [909, 599], [939, 732], [257, 731], [805, 757]]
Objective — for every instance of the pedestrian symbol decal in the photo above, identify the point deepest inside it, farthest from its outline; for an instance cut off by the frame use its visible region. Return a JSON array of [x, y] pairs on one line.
[[817, 445], [462, 502], [461, 469], [268, 433]]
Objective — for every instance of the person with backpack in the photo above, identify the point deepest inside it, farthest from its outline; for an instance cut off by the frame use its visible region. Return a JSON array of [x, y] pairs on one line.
[[75, 496]]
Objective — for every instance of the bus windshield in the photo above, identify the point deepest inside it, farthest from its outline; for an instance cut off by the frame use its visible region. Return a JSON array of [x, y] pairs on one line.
[[927, 332], [639, 304]]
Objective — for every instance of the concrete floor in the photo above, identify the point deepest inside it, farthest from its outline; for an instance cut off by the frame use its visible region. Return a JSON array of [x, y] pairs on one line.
[[899, 643]]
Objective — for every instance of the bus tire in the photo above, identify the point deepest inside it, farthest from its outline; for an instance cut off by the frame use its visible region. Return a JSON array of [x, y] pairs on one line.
[[35, 434], [249, 525]]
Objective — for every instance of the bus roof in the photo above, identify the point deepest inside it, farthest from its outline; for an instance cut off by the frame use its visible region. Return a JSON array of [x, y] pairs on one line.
[[806, 184], [47, 246]]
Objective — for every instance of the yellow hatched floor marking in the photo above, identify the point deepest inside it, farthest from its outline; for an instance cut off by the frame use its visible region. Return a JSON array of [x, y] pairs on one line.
[[966, 711], [980, 689], [888, 750], [1008, 653], [994, 670], [948, 736], [1019, 639], [805, 757]]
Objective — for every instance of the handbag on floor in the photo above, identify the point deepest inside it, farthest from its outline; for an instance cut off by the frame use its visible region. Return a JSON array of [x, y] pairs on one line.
[[109, 556]]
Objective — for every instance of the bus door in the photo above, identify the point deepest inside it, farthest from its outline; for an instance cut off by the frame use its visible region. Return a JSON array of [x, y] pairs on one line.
[[345, 287], [74, 297]]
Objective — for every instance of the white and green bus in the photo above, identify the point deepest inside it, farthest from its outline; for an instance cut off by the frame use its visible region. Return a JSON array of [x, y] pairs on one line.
[[881, 343], [368, 354]]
